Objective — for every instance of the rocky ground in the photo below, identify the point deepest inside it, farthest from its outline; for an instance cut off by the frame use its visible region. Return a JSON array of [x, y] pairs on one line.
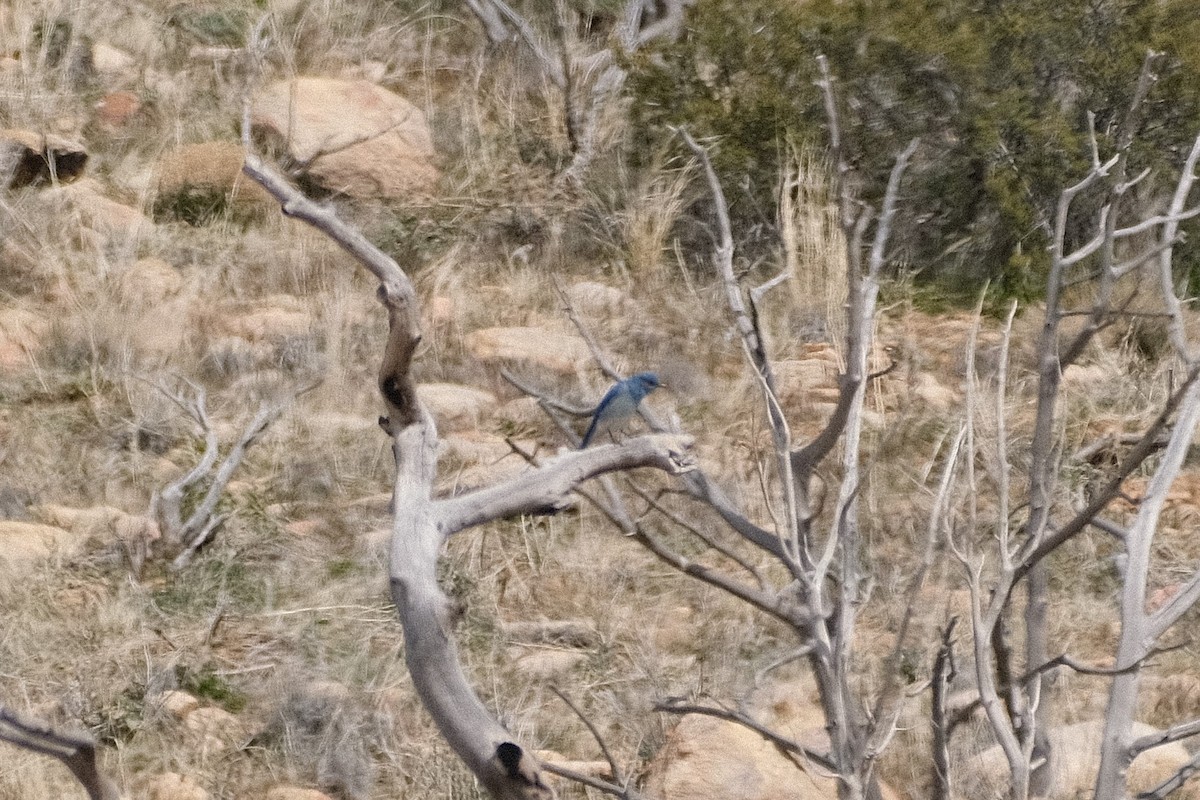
[[138, 266]]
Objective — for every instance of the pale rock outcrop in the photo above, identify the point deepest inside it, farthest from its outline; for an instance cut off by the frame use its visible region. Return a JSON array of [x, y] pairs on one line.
[[477, 459], [456, 407], [112, 63], [295, 793], [554, 351], [176, 703], [545, 664], [23, 544], [211, 168], [600, 770], [28, 158], [604, 305], [1076, 762], [215, 728], [149, 282], [274, 317], [353, 137], [710, 758], [100, 524], [102, 214]]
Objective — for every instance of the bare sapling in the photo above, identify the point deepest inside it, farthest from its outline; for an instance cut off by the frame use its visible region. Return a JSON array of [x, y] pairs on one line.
[[590, 80], [1029, 525], [182, 538], [826, 579]]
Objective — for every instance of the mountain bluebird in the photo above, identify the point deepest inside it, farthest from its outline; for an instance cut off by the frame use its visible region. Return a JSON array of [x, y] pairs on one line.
[[620, 403]]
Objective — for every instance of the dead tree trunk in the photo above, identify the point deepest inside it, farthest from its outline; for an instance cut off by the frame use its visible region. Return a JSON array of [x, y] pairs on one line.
[[422, 524]]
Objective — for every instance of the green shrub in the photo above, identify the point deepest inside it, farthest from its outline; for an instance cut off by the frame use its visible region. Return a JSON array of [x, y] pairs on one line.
[[998, 93]]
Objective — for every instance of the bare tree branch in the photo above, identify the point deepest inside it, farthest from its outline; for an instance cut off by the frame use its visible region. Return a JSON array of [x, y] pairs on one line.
[[619, 777], [76, 752], [550, 485], [784, 743]]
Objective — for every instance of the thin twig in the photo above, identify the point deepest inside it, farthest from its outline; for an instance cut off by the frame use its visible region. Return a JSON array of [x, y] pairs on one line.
[[618, 776], [789, 745]]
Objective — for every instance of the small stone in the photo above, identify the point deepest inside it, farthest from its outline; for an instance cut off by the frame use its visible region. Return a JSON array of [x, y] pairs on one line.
[[116, 109], [176, 703]]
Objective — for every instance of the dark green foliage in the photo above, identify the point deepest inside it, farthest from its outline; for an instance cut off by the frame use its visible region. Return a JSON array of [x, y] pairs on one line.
[[195, 205], [205, 683], [221, 26], [997, 90]]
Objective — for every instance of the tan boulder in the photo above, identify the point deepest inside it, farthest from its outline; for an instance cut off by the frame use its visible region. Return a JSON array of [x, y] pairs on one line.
[[710, 758], [176, 703], [545, 664], [104, 524], [28, 158], [598, 300], [354, 137], [23, 544], [1076, 762], [478, 459], [456, 407], [555, 351], [270, 319], [521, 413], [600, 770], [173, 786], [205, 173], [101, 213], [932, 393], [162, 329], [215, 727]]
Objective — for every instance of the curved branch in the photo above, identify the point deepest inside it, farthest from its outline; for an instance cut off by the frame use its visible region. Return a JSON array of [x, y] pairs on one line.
[[76, 752], [549, 485], [784, 743]]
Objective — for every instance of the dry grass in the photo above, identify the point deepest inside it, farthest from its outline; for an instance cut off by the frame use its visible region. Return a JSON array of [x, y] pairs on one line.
[[292, 596]]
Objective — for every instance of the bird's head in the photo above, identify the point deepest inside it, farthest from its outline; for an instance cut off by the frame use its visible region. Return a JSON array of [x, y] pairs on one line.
[[645, 382]]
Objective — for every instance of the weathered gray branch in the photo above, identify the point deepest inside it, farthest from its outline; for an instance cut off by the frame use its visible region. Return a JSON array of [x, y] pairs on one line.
[[421, 524], [76, 752], [550, 485]]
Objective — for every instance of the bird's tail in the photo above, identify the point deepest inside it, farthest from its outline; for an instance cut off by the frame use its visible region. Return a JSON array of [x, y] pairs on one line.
[[587, 437]]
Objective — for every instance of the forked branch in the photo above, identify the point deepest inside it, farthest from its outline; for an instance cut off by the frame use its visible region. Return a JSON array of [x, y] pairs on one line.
[[77, 752]]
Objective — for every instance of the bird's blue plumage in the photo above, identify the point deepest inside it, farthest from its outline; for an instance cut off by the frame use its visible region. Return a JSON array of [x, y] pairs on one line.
[[620, 403]]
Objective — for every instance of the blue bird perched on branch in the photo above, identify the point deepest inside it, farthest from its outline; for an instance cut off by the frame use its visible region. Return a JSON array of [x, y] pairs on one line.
[[620, 403]]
